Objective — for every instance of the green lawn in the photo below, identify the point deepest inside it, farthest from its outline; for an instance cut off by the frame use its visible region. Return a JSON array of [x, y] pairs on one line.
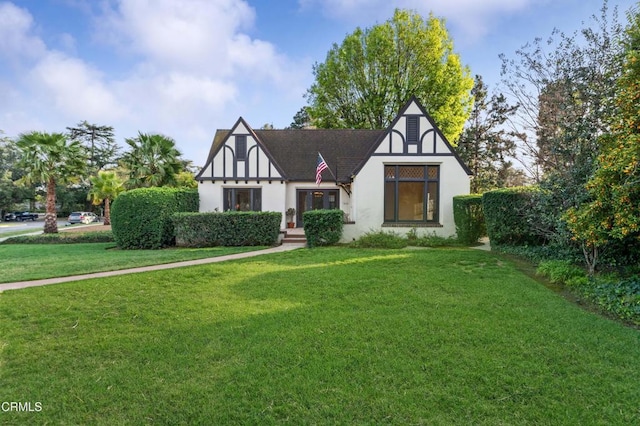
[[322, 336], [21, 262]]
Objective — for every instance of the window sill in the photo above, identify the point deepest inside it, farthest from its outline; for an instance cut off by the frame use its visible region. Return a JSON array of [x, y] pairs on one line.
[[412, 225]]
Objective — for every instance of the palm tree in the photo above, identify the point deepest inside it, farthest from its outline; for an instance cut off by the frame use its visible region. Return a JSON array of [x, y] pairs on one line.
[[152, 161], [48, 158], [105, 187]]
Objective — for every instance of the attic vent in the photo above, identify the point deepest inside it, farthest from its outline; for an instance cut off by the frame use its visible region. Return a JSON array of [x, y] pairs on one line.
[[412, 129], [241, 148]]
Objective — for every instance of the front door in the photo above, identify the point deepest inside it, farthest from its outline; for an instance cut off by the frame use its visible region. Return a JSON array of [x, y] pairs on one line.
[[315, 199]]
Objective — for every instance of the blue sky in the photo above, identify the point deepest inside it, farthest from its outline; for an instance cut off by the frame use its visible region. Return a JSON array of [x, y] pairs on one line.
[[185, 68]]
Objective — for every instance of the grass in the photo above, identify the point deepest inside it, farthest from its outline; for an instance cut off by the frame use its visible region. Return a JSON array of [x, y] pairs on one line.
[[322, 336], [22, 262]]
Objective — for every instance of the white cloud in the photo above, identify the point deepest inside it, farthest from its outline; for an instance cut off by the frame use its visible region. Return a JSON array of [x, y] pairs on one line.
[[184, 68], [16, 42], [74, 88], [189, 35]]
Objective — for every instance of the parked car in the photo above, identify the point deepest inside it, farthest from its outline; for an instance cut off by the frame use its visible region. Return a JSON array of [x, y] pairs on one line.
[[20, 216], [82, 217]]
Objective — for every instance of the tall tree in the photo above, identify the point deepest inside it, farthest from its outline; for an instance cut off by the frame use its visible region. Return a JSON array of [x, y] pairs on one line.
[[613, 214], [153, 160], [366, 80], [48, 158], [565, 88], [105, 187], [301, 120], [99, 141], [485, 145]]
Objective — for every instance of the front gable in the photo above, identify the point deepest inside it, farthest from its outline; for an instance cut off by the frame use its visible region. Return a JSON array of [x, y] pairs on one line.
[[239, 155], [413, 133]]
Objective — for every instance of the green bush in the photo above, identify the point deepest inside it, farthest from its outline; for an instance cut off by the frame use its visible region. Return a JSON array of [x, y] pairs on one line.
[[468, 216], [562, 272], [433, 240], [620, 298], [380, 239], [227, 229], [141, 218], [505, 212], [323, 227], [63, 238], [539, 253]]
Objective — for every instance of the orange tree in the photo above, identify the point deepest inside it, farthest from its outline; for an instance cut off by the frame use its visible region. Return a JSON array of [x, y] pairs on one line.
[[613, 214]]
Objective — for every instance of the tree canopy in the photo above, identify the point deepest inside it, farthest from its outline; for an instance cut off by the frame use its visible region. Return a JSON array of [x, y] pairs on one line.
[[485, 145], [614, 210], [153, 160], [99, 141], [365, 81]]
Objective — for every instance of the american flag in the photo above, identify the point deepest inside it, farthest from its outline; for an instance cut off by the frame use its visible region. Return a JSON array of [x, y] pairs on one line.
[[322, 165]]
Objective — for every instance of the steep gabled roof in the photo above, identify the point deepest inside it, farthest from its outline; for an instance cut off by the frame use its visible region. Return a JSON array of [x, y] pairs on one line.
[[296, 150]]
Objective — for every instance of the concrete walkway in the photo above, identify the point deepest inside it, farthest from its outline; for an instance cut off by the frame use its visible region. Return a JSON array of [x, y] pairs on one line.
[[35, 283]]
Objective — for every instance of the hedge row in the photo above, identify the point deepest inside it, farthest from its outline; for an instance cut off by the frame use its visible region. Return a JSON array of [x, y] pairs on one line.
[[141, 218], [468, 216], [323, 227], [505, 212], [227, 229], [62, 238]]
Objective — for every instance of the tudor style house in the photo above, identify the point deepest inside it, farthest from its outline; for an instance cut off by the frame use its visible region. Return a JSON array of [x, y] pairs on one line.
[[399, 178]]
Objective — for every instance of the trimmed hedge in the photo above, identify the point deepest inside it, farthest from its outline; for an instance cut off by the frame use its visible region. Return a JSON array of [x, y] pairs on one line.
[[141, 218], [323, 227], [227, 229], [62, 238], [468, 216], [505, 213]]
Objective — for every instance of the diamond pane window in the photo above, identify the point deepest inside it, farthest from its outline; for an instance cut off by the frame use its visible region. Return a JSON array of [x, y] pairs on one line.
[[390, 172], [411, 172], [411, 195]]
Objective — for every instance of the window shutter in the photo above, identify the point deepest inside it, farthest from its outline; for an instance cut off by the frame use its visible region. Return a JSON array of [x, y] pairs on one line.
[[241, 148], [412, 129]]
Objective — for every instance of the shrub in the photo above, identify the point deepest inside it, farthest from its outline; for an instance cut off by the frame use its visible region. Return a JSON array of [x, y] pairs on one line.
[[505, 212], [141, 218], [380, 239], [620, 298], [468, 216], [323, 227], [433, 240], [562, 272], [63, 238], [227, 229], [537, 254]]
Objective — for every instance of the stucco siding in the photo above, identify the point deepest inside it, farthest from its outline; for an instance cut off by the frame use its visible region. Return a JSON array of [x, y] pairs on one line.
[[368, 195], [211, 195]]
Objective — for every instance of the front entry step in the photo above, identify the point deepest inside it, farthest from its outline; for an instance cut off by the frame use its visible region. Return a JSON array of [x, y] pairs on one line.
[[295, 236]]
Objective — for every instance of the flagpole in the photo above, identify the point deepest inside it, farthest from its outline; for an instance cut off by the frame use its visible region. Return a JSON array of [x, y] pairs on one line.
[[329, 168]]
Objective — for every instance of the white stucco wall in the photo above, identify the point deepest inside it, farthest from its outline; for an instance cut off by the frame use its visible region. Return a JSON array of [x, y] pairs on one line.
[[367, 198], [273, 194]]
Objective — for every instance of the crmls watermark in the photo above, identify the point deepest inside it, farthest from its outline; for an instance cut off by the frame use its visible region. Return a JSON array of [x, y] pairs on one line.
[[30, 407]]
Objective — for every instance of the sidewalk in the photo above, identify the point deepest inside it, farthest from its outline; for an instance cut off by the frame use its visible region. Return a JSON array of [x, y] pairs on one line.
[[35, 283]]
